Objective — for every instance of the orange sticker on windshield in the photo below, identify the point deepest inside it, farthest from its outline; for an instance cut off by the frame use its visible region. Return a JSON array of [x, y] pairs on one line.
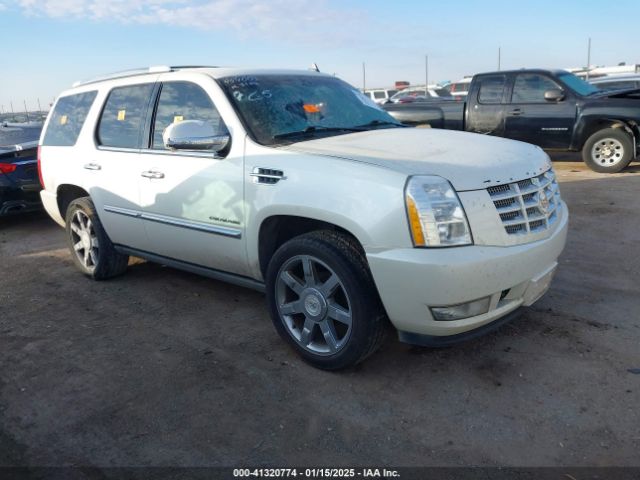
[[178, 118], [311, 108], [63, 120], [122, 115]]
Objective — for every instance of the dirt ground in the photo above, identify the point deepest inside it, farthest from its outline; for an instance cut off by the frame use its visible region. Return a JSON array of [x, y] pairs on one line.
[[165, 368]]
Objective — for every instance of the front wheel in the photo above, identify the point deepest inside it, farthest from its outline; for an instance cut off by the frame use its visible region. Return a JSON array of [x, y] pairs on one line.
[[323, 301], [608, 150], [91, 249]]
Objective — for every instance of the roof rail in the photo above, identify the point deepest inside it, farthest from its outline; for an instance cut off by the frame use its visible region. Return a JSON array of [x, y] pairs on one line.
[[137, 71], [124, 74]]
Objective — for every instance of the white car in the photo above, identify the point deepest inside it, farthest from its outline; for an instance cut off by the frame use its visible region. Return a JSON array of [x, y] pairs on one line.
[[380, 95], [296, 184], [617, 82], [459, 89], [411, 93]]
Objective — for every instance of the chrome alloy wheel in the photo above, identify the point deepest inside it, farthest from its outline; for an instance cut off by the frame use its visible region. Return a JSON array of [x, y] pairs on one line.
[[313, 304], [607, 152], [84, 240]]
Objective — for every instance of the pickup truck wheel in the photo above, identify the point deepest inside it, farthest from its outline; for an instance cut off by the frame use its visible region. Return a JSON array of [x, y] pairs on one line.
[[91, 249], [323, 301], [608, 150]]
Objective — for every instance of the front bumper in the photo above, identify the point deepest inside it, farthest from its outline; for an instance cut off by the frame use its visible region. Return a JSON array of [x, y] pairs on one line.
[[412, 280]]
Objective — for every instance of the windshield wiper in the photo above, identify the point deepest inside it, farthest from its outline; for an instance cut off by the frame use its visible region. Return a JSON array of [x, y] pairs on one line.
[[311, 130], [378, 123]]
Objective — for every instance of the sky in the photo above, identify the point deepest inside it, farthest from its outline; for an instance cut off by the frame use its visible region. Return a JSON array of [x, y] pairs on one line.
[[46, 45]]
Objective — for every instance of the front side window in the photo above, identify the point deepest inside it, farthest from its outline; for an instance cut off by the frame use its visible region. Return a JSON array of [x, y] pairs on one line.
[[123, 116], [530, 88], [491, 89], [181, 101], [280, 109], [67, 119], [378, 95]]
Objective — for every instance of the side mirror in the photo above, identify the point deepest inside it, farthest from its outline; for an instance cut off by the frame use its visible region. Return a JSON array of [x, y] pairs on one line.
[[193, 135], [554, 95]]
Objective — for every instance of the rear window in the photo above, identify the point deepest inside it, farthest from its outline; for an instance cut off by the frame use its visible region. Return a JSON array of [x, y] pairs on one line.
[[123, 117], [67, 119]]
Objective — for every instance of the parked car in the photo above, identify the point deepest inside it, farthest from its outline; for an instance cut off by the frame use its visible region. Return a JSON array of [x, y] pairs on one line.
[[380, 96], [19, 183], [617, 82], [459, 89], [298, 185], [405, 96], [553, 109]]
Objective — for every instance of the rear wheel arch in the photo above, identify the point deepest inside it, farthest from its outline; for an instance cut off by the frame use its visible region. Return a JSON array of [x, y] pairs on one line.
[[67, 193]]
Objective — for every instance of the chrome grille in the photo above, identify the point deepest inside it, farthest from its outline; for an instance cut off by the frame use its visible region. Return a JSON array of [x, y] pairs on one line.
[[521, 205]]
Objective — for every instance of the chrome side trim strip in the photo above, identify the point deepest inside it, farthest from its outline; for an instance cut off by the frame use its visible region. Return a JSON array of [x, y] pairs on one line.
[[176, 222], [149, 151], [193, 268]]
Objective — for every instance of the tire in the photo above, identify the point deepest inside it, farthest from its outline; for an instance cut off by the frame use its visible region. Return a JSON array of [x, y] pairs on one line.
[[91, 249], [608, 151], [323, 301]]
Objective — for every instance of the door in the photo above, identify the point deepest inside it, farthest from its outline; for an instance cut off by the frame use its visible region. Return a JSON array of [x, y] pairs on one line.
[[485, 102], [531, 118], [193, 200], [114, 165]]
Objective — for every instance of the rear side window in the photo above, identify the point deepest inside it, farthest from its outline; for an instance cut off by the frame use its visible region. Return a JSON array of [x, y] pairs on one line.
[[491, 89], [181, 101], [123, 116], [67, 119]]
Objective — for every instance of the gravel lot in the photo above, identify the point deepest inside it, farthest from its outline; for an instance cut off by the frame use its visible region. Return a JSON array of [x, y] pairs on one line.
[[160, 367]]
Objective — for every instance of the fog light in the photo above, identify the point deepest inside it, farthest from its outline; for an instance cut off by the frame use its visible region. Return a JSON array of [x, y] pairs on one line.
[[463, 310]]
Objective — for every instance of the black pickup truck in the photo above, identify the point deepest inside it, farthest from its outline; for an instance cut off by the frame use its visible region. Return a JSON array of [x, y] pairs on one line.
[[553, 109]]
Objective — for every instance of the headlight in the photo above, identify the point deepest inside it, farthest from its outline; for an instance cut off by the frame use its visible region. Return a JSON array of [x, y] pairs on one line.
[[436, 217]]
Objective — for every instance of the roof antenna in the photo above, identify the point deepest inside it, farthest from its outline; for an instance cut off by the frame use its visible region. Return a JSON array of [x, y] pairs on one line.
[[314, 67]]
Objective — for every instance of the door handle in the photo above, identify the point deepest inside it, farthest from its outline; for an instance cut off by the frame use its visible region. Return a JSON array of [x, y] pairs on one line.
[[152, 174], [516, 112], [92, 166]]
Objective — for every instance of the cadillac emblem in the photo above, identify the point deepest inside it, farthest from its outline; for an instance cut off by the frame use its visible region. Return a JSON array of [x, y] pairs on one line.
[[543, 202]]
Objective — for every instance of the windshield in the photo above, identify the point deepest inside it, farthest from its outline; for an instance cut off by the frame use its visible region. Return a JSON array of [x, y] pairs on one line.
[[277, 107], [577, 84]]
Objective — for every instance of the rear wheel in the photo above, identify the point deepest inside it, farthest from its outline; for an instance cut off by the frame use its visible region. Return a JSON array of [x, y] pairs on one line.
[[608, 151], [323, 301], [91, 249]]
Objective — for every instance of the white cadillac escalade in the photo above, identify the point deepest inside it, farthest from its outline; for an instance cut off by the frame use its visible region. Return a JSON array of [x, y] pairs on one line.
[[296, 184]]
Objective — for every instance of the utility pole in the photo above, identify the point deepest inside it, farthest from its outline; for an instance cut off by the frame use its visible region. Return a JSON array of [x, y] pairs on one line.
[[499, 55], [11, 102], [426, 74], [26, 112], [39, 107], [588, 58], [364, 77]]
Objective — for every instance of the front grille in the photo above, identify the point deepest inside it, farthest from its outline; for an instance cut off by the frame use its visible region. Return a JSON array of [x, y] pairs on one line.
[[529, 205]]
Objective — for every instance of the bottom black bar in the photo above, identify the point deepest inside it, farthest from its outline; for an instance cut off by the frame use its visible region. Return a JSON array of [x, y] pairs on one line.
[[404, 473]]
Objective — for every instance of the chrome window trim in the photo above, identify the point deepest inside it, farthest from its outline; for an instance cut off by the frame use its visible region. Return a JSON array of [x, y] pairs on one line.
[[176, 222], [149, 151]]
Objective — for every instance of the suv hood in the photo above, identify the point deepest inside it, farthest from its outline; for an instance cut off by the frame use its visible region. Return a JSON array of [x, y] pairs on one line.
[[469, 161]]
